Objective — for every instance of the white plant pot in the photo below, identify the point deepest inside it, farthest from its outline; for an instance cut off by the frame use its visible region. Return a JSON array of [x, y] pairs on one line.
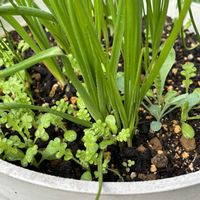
[[17, 183]]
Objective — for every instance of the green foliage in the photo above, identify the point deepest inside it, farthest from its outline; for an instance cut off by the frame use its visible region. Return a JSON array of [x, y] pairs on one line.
[[98, 69], [29, 156], [111, 123], [190, 102], [3, 1], [13, 90], [99, 137], [7, 57], [161, 102], [47, 119], [10, 151], [68, 155], [123, 135], [22, 46], [82, 112], [54, 150], [10, 54], [161, 78], [70, 135], [189, 71], [171, 101]]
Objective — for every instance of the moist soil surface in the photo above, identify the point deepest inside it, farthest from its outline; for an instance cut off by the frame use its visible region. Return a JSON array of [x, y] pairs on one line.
[[156, 155]]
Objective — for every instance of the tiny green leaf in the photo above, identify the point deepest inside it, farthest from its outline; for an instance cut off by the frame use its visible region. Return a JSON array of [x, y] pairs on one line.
[[68, 154], [155, 126], [111, 123], [105, 143], [187, 130], [30, 154], [86, 176], [70, 135]]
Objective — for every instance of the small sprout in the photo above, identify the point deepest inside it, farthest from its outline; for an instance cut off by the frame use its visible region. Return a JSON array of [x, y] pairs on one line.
[[70, 135], [131, 163], [128, 165]]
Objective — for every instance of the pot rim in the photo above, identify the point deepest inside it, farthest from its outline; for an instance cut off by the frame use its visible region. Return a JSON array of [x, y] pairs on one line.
[[91, 187]]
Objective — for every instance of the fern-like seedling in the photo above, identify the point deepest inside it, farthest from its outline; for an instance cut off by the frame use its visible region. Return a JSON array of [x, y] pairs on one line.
[[189, 71]]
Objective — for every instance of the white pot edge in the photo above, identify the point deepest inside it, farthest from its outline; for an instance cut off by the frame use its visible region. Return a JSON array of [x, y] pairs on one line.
[[90, 187]]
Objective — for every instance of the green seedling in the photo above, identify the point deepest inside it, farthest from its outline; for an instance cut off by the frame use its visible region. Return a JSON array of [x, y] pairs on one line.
[[189, 71]]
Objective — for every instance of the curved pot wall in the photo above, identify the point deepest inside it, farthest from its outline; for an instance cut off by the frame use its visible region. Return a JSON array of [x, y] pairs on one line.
[[17, 183]]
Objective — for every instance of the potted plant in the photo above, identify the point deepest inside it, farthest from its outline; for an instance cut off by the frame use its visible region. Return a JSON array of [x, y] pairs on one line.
[[111, 52]]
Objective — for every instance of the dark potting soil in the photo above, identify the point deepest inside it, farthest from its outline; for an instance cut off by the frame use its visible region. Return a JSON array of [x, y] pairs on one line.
[[156, 155]]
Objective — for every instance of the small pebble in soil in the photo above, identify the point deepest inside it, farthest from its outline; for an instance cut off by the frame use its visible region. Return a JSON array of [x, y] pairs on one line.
[[36, 90], [177, 129], [156, 144], [160, 152], [175, 122], [170, 88], [174, 71], [160, 161], [133, 175], [191, 167], [73, 100], [149, 117], [53, 90], [169, 81], [188, 144], [36, 76], [190, 57], [65, 98], [153, 168], [141, 149], [185, 155], [165, 127]]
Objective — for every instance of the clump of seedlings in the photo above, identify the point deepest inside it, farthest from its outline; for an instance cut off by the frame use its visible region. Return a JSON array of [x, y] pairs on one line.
[[108, 61]]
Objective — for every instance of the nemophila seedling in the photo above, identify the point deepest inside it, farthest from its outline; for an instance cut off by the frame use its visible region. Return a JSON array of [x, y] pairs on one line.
[[189, 104]]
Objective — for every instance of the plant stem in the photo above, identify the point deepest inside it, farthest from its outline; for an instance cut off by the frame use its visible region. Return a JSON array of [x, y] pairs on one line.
[[100, 175]]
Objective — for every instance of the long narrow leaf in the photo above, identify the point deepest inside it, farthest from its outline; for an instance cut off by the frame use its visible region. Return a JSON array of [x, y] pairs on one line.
[[52, 52]]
